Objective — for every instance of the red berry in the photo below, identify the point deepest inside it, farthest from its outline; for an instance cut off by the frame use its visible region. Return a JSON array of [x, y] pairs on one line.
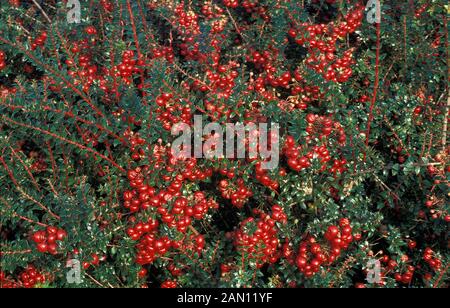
[[39, 237], [61, 235], [412, 244], [42, 247]]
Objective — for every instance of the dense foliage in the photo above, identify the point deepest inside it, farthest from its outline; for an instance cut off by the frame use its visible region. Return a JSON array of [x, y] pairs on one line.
[[86, 170]]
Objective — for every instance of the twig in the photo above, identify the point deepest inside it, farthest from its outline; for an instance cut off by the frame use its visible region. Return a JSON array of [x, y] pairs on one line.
[[94, 280], [436, 284], [341, 271], [71, 115], [194, 230], [42, 11], [92, 151], [233, 21], [133, 27], [52, 187], [38, 203], [395, 134], [447, 110], [23, 217], [178, 68], [387, 187], [445, 128], [23, 252], [17, 186], [54, 72], [375, 87], [387, 168], [26, 169]]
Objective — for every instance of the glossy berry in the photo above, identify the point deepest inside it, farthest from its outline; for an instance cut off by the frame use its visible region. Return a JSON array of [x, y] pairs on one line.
[[46, 241]]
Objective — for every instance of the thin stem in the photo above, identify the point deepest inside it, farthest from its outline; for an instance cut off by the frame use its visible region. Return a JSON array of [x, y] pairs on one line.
[[26, 169], [23, 217], [42, 11], [55, 73], [375, 88], [78, 145], [445, 128]]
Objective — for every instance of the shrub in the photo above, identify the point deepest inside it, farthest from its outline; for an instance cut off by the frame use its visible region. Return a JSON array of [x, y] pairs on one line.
[[88, 172]]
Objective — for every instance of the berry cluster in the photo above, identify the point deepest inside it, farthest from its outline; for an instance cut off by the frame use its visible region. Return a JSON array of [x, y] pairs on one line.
[[187, 22], [421, 10], [389, 266], [127, 67], [191, 51], [142, 196], [261, 59], [263, 177], [28, 279], [292, 152], [90, 30], [169, 207], [5, 91], [2, 60], [136, 143], [107, 5], [95, 261], [39, 41], [238, 194], [217, 110], [271, 75], [231, 3], [322, 40], [436, 207], [210, 11], [164, 52], [15, 3], [250, 5], [181, 214], [299, 157], [257, 239], [253, 6], [312, 255], [47, 240], [83, 71], [228, 61], [229, 173], [6, 282], [169, 284], [222, 81], [283, 80], [150, 247], [87, 74], [339, 166], [405, 277], [433, 262], [324, 126], [303, 95], [171, 112]]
